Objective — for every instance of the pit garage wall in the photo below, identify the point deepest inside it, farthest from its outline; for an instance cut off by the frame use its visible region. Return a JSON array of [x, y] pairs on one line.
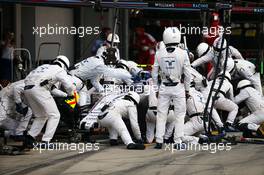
[[74, 47], [54, 17], [27, 17]]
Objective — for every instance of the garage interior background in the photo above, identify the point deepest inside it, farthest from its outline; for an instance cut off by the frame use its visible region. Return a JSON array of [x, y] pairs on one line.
[[247, 28]]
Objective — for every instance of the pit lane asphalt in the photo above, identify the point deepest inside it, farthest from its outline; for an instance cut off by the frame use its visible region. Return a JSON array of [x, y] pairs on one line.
[[241, 159]]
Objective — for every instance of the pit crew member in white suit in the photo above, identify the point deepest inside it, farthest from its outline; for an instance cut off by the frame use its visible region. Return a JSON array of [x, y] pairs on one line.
[[173, 62], [14, 113], [111, 117], [37, 92], [255, 103]]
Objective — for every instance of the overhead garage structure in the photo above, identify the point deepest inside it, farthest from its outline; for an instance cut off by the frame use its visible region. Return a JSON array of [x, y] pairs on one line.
[[26, 13]]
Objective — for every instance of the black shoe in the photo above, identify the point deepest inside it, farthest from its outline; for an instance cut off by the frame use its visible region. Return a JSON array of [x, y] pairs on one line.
[[113, 142], [158, 146], [29, 141], [136, 146], [230, 128]]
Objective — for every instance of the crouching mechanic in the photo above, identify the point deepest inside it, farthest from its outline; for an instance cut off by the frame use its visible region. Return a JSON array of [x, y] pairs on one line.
[[255, 103], [195, 109], [173, 62], [93, 68], [243, 69], [14, 113], [111, 58], [111, 117], [225, 99], [201, 84], [38, 86]]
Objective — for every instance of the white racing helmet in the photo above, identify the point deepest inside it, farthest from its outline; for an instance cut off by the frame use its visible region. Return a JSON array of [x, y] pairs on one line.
[[134, 97], [217, 44], [245, 65], [116, 38], [243, 84], [63, 61], [171, 35], [202, 49]]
